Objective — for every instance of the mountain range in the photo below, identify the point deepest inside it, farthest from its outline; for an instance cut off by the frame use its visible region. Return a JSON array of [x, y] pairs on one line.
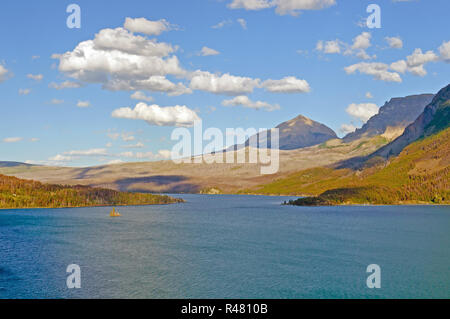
[[313, 161]]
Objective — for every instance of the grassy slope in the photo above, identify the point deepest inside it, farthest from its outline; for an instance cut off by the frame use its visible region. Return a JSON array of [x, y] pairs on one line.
[[19, 193], [421, 173]]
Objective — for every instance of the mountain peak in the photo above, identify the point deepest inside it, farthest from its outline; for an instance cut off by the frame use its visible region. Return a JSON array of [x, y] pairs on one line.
[[398, 113], [301, 132]]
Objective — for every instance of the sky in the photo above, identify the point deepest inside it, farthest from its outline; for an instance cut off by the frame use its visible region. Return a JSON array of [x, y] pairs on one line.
[[114, 89]]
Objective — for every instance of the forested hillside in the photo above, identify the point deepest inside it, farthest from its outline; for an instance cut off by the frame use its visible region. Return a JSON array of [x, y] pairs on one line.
[[19, 193]]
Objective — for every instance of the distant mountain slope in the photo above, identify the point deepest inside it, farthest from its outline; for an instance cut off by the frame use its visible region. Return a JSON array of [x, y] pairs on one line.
[[434, 118], [13, 164], [299, 132], [19, 193], [420, 174], [397, 113]]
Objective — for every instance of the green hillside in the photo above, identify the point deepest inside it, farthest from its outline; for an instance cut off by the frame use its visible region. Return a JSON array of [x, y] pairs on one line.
[[420, 174], [19, 193]]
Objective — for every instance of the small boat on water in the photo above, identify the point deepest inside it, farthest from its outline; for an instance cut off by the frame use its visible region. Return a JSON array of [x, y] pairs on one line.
[[114, 213]]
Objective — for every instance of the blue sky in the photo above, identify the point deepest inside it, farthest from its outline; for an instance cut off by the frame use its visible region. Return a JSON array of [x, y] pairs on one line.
[[262, 66]]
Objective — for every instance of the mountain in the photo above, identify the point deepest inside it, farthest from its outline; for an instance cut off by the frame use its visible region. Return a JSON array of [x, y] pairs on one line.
[[419, 175], [19, 193], [299, 132], [434, 118], [13, 164], [393, 116]]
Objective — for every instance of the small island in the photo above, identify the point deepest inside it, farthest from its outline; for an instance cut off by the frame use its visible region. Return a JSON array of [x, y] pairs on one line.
[[18, 193]]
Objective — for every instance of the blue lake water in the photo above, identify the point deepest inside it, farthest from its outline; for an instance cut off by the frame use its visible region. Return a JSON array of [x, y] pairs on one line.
[[226, 247]]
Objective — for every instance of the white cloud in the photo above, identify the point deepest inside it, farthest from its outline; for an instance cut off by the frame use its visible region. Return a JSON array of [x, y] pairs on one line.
[[347, 128], [380, 71], [415, 63], [358, 48], [362, 41], [444, 51], [137, 145], [34, 139], [60, 158], [394, 42], [243, 23], [165, 154], [56, 101], [128, 137], [244, 101], [12, 139], [125, 41], [114, 162], [222, 84], [3, 73], [250, 4], [83, 104], [36, 77], [139, 95], [160, 116], [329, 47], [289, 84], [154, 83], [418, 58], [65, 85], [282, 7], [363, 111], [222, 24], [208, 51], [24, 91], [121, 60], [142, 25], [89, 152]]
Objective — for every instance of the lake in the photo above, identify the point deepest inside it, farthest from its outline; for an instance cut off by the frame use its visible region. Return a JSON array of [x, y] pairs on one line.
[[226, 247]]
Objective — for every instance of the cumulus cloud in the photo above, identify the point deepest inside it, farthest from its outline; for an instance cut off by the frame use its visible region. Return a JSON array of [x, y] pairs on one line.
[[141, 96], [222, 24], [289, 84], [363, 111], [156, 83], [89, 152], [121, 60], [159, 116], [358, 48], [394, 42], [347, 128], [242, 23], [24, 91], [362, 41], [222, 84], [142, 25], [415, 63], [165, 154], [208, 51], [244, 101], [329, 47], [250, 4], [125, 41], [282, 7], [380, 71], [56, 101], [83, 104], [65, 85], [60, 158], [3, 73], [137, 145], [12, 139], [444, 51], [36, 77]]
